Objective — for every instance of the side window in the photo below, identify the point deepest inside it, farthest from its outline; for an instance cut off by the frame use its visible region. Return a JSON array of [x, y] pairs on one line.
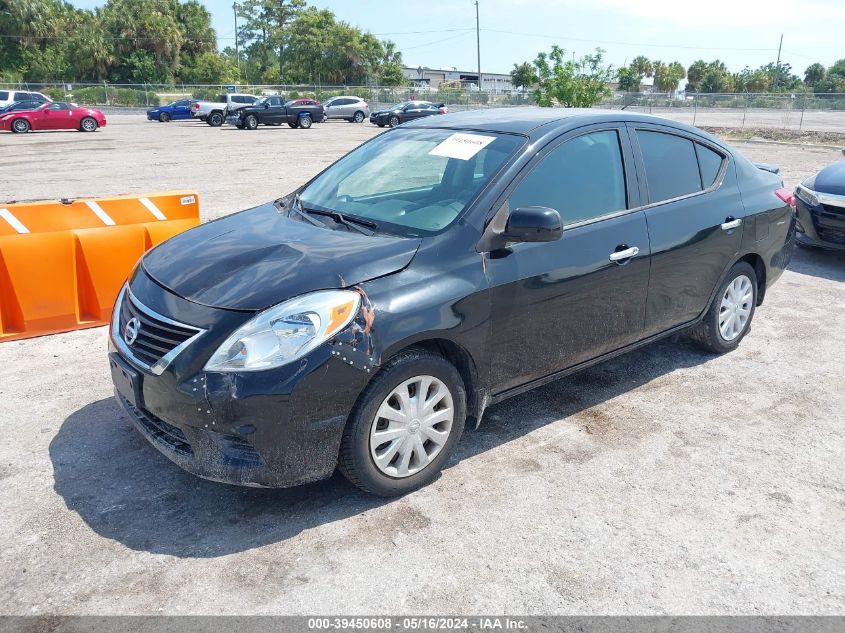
[[709, 162], [275, 101], [582, 179], [4, 95], [671, 167]]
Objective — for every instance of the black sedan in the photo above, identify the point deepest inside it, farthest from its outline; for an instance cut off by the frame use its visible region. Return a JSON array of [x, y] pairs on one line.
[[407, 111], [820, 202], [362, 321]]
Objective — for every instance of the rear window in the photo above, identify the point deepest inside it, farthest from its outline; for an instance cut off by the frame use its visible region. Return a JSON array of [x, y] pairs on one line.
[[671, 166], [710, 163]]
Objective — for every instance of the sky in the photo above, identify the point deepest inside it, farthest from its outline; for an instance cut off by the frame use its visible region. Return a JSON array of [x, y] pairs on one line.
[[441, 33]]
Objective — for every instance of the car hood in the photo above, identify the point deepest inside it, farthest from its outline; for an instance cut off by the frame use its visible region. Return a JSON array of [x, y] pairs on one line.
[[831, 179], [258, 258], [380, 112]]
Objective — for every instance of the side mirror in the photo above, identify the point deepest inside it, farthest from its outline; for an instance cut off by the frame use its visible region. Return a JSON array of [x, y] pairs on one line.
[[533, 224], [266, 105]]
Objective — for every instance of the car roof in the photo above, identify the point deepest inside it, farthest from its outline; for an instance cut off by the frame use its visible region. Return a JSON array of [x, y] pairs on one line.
[[530, 120]]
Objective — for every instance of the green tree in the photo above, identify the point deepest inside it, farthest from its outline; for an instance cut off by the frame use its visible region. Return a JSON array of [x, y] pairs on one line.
[[523, 75], [642, 66], [667, 76], [695, 74], [264, 30], [571, 83], [629, 80], [814, 74]]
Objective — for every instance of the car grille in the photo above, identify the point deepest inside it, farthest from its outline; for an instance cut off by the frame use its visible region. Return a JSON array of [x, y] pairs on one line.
[[157, 336], [833, 210], [831, 235], [159, 430]]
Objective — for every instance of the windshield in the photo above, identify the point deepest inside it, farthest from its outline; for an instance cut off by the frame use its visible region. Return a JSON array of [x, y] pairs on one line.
[[411, 182], [262, 101]]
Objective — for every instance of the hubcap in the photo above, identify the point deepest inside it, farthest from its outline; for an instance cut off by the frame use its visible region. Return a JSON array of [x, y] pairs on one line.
[[88, 125], [20, 126], [735, 308], [411, 426]]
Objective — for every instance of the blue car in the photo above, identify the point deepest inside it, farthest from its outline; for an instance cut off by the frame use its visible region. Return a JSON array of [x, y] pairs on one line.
[[175, 111]]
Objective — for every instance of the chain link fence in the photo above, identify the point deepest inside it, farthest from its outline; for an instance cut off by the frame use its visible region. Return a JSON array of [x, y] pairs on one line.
[[803, 112]]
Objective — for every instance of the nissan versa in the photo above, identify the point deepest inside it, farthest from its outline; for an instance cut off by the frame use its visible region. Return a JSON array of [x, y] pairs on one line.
[[361, 321]]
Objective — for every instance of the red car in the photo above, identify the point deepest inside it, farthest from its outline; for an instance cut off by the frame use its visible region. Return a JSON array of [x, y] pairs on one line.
[[53, 116]]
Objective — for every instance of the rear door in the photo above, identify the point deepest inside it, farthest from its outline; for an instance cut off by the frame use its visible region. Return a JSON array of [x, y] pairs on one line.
[[695, 221], [558, 304]]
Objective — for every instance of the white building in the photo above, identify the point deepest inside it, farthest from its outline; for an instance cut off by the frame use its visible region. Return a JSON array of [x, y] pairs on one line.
[[433, 77]]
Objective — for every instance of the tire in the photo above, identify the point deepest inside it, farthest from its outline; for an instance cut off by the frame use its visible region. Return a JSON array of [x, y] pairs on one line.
[[21, 126], [305, 121], [394, 121], [720, 331], [403, 373], [251, 122], [294, 125], [215, 119], [380, 124], [358, 117], [88, 124], [164, 117]]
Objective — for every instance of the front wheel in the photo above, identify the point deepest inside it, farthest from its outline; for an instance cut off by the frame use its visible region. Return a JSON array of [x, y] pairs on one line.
[[21, 126], [251, 122], [305, 122], [294, 124], [728, 319], [394, 121], [358, 117], [405, 425], [164, 117], [215, 119], [88, 124]]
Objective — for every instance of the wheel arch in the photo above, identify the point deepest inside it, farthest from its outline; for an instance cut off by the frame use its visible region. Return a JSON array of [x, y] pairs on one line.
[[460, 358], [759, 266]]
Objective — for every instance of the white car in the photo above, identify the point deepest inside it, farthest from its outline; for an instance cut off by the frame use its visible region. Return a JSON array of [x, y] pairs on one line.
[[11, 96], [352, 109]]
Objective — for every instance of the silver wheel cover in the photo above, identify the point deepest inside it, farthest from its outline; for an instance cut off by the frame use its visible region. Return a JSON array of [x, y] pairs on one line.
[[735, 309], [411, 426]]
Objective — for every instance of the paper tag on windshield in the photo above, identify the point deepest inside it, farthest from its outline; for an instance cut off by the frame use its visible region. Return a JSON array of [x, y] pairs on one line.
[[462, 146]]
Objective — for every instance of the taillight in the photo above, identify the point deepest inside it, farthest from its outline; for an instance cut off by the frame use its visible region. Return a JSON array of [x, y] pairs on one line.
[[196, 106], [366, 105], [787, 195]]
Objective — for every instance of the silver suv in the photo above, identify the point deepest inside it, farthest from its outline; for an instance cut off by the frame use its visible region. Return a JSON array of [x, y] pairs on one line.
[[353, 109]]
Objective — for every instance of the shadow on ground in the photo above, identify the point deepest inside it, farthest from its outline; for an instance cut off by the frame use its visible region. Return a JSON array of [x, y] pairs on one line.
[[125, 490], [827, 264]]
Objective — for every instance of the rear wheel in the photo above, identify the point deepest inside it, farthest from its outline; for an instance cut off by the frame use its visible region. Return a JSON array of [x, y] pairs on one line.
[[21, 126], [358, 117], [405, 425], [215, 119], [251, 122], [88, 124], [305, 121], [729, 317], [394, 121], [164, 117]]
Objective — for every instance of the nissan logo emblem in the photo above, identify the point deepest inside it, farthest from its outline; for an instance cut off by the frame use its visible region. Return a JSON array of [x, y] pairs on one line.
[[131, 330]]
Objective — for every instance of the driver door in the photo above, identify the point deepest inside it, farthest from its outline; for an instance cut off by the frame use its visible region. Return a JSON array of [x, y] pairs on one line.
[[55, 116]]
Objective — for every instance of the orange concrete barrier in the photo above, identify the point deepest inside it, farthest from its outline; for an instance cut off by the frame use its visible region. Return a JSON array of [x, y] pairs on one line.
[[62, 263]]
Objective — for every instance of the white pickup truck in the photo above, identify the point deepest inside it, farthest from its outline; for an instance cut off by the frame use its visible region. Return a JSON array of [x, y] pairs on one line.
[[215, 112]]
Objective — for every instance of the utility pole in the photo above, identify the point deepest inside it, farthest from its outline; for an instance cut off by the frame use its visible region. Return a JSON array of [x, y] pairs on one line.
[[478, 44], [237, 50], [777, 65]]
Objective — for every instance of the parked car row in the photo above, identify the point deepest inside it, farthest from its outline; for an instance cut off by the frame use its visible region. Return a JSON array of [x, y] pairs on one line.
[[248, 111]]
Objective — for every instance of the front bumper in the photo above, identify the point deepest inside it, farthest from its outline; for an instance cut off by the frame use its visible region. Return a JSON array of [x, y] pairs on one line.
[[234, 120], [822, 225], [275, 428]]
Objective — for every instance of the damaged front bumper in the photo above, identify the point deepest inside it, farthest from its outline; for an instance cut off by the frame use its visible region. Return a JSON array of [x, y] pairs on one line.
[[274, 428]]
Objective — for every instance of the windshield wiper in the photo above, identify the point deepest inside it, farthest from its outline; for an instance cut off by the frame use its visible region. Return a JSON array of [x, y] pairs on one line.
[[295, 205], [353, 223]]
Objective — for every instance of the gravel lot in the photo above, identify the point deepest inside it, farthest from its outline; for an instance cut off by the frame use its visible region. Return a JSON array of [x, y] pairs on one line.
[[666, 481]]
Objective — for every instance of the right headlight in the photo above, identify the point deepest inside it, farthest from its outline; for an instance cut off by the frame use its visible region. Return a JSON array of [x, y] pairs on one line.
[[286, 332]]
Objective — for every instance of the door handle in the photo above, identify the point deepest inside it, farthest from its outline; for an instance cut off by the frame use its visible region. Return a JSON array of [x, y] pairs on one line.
[[628, 253], [730, 223]]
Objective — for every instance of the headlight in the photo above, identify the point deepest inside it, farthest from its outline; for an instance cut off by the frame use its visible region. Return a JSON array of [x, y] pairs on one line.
[[807, 195], [286, 332]]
